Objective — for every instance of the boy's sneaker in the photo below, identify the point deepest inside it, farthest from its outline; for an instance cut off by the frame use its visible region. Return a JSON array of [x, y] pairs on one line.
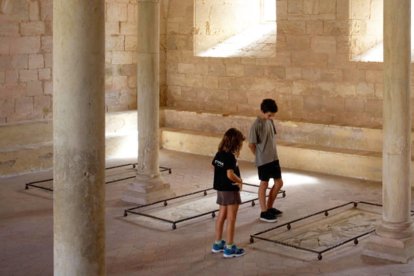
[[275, 211], [218, 247], [233, 251], [267, 216]]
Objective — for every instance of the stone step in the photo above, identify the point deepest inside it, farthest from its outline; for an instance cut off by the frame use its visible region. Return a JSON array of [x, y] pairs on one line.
[[361, 164], [28, 147], [313, 134], [339, 150]]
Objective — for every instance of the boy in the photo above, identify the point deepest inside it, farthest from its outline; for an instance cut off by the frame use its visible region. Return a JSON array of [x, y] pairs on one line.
[[263, 146]]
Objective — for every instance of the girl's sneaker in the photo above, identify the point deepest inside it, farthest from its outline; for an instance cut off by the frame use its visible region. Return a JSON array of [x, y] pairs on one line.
[[233, 251], [218, 247]]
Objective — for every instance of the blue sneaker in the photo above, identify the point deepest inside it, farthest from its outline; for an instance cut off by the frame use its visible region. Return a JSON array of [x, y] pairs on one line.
[[218, 247], [233, 252]]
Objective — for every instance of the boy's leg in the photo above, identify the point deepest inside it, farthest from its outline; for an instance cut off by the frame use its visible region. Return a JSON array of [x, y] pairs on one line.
[[262, 195], [222, 215], [264, 175], [273, 192], [231, 222], [265, 215]]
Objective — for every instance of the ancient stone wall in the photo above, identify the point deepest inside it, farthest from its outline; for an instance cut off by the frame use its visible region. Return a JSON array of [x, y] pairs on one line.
[[26, 39], [312, 76], [25, 60]]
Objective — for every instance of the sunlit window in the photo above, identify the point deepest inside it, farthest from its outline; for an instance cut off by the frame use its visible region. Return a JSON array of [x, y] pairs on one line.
[[235, 28], [369, 46]]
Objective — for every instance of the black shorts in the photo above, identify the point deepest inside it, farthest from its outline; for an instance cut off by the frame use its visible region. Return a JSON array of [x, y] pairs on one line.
[[228, 198], [269, 170]]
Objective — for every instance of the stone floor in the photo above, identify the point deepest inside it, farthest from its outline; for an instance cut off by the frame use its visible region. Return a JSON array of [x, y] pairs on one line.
[[136, 245]]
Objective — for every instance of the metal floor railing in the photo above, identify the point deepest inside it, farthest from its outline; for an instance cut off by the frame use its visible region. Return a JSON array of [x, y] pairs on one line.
[[35, 184], [319, 253], [137, 210]]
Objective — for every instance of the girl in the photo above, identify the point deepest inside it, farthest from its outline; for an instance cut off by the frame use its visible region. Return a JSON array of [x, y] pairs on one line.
[[228, 184]]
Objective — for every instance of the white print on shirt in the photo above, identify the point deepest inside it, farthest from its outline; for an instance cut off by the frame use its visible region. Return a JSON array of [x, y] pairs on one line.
[[219, 163]]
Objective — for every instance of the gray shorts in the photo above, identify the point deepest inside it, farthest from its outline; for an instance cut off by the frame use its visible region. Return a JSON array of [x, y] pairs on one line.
[[228, 197]]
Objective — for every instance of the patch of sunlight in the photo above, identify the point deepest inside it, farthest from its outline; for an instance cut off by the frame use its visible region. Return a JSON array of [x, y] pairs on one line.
[[289, 179], [123, 147], [297, 179], [247, 43], [375, 54]]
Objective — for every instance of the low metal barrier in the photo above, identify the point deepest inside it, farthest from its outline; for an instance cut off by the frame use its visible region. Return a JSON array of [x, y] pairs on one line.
[[319, 253], [140, 210], [35, 184]]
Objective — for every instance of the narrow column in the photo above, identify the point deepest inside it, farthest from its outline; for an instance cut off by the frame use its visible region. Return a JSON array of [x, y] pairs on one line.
[[394, 236], [5, 6], [79, 137], [149, 185]]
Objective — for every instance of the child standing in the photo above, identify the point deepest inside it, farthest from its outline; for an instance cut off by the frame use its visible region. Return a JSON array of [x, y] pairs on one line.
[[262, 144], [228, 184]]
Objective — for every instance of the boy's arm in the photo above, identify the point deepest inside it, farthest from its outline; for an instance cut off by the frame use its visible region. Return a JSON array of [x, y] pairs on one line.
[[253, 138], [252, 148]]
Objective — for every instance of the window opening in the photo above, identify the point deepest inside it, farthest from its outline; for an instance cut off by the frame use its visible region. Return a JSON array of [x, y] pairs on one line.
[[235, 28]]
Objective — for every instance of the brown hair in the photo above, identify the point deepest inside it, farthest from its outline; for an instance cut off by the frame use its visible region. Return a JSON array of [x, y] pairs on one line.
[[232, 141]]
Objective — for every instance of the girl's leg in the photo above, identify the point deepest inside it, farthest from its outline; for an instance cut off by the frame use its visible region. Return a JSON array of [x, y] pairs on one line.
[[222, 215], [231, 222]]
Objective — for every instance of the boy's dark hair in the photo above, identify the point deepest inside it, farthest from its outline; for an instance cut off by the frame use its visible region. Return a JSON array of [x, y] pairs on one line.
[[232, 141], [268, 105]]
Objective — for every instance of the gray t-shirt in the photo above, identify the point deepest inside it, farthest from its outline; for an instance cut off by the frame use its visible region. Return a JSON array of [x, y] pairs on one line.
[[262, 133]]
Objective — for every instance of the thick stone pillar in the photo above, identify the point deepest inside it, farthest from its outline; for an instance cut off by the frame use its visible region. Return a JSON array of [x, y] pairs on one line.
[[149, 185], [79, 137], [394, 236]]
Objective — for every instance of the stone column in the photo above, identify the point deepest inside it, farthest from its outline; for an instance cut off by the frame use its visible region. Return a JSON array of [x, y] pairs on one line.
[[6, 6], [394, 236], [149, 185], [79, 137]]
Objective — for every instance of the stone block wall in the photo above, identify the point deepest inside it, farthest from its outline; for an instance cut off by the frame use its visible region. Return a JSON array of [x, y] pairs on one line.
[[121, 43], [312, 77], [26, 39], [121, 61], [25, 61]]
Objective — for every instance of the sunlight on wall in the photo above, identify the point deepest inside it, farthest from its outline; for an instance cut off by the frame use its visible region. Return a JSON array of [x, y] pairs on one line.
[[235, 28], [375, 54], [251, 42]]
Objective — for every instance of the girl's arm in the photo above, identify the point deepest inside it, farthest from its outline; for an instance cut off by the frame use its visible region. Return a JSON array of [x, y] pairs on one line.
[[233, 177]]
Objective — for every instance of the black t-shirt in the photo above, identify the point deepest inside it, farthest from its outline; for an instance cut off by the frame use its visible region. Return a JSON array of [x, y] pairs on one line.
[[222, 162]]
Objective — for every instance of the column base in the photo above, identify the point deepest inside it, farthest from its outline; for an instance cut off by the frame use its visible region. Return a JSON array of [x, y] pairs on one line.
[[146, 190], [389, 249]]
